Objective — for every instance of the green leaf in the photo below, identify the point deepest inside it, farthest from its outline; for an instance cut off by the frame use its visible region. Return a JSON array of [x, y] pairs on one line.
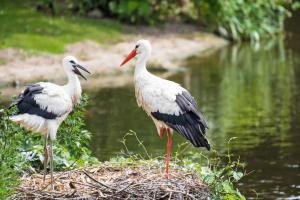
[[237, 175], [296, 5], [209, 179], [227, 187]]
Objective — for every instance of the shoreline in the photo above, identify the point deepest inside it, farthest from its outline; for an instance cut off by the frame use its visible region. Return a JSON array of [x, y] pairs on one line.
[[168, 52]]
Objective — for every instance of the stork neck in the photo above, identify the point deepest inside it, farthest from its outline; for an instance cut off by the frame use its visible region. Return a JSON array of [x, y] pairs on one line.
[[73, 87], [140, 66]]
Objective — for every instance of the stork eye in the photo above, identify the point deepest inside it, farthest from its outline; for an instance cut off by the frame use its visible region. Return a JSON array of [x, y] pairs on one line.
[[136, 46], [72, 62]]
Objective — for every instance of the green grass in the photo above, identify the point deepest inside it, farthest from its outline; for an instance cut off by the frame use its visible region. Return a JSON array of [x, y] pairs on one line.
[[21, 26]]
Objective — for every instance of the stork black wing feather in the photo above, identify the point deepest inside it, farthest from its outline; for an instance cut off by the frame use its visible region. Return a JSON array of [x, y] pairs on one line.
[[27, 104], [190, 123], [191, 105]]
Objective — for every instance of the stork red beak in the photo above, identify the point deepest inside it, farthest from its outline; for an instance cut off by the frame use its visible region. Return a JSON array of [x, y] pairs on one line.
[[129, 57]]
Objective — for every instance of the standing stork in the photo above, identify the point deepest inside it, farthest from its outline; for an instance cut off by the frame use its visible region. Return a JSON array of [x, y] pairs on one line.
[[168, 104], [43, 106]]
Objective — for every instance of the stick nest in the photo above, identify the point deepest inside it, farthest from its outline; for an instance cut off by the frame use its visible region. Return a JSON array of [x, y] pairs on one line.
[[114, 182]]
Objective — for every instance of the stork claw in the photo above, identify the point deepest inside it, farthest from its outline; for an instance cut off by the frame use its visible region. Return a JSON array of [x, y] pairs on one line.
[[167, 176]]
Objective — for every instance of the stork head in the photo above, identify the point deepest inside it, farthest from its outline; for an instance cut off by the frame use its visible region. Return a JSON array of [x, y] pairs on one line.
[[142, 51], [72, 66]]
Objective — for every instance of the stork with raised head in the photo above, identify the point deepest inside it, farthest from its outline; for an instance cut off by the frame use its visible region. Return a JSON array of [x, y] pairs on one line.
[[43, 106], [168, 104]]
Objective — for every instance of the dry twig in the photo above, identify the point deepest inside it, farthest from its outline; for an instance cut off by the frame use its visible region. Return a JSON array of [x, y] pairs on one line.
[[107, 182]]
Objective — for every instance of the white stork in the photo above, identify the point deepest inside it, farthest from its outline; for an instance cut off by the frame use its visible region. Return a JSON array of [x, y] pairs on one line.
[[168, 104], [43, 106]]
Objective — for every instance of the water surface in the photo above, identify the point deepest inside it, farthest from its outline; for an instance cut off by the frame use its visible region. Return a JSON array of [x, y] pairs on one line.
[[246, 91]]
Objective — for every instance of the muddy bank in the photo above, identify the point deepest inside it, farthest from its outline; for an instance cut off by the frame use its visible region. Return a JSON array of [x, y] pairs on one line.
[[169, 50]]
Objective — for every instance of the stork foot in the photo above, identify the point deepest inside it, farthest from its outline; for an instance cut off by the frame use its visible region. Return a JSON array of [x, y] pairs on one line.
[[167, 176]]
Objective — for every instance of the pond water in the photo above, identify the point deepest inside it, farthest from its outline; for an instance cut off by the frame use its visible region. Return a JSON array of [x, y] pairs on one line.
[[250, 92]]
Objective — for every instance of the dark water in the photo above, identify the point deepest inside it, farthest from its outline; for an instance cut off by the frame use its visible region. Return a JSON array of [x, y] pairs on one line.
[[249, 92]]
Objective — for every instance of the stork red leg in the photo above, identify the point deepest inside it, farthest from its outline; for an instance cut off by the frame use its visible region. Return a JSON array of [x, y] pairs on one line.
[[162, 132], [46, 156], [51, 162], [168, 152]]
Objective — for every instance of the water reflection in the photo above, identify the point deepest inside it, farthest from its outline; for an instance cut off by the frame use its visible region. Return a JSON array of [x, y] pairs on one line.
[[254, 99], [254, 102], [246, 92]]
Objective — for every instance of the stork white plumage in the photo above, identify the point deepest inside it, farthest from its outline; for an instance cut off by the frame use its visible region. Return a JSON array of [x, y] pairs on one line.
[[43, 106], [168, 104]]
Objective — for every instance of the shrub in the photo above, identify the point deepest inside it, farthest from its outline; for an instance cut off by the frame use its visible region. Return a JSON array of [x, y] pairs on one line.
[[22, 151], [233, 19], [11, 160], [130, 11], [245, 19], [151, 11]]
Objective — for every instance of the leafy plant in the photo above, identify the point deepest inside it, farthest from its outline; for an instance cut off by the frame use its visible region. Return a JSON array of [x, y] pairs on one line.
[[130, 11], [12, 162], [22, 151], [233, 19], [221, 179], [243, 19], [150, 11]]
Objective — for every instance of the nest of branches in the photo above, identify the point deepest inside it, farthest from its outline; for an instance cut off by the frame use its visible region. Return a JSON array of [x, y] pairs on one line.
[[114, 182]]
